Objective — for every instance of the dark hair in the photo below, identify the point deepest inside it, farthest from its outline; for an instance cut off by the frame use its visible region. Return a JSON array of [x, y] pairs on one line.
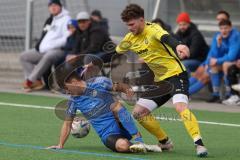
[[225, 22], [132, 11], [224, 12], [96, 13]]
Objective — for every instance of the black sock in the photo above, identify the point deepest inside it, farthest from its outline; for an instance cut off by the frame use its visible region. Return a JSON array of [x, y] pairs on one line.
[[199, 142], [164, 141]]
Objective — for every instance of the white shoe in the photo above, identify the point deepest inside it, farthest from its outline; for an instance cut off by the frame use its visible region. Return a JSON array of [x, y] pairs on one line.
[[236, 87], [232, 100], [153, 148], [201, 151], [138, 148], [168, 146]]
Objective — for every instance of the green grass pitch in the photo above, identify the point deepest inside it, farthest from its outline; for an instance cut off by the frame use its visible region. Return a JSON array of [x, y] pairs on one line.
[[24, 132]]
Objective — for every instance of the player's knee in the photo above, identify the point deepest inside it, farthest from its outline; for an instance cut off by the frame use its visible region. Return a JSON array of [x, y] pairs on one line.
[[122, 145], [180, 106], [23, 57], [226, 65], [139, 112]]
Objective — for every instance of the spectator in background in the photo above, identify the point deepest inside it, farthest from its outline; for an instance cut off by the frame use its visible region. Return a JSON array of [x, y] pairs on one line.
[[96, 16], [91, 39], [233, 75], [164, 25], [72, 39], [189, 35], [201, 77], [225, 50], [48, 50]]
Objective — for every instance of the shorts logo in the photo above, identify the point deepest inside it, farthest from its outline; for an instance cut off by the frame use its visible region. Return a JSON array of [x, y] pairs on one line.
[[94, 93]]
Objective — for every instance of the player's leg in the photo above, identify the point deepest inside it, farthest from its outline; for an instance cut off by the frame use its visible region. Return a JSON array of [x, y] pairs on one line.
[[118, 143], [226, 66], [215, 75], [142, 113], [126, 120], [180, 101]]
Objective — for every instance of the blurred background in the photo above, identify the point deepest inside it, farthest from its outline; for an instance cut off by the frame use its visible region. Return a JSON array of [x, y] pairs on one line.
[[21, 22]]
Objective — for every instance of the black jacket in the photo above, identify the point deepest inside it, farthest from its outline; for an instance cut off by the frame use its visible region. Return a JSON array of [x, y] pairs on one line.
[[92, 40], [195, 41]]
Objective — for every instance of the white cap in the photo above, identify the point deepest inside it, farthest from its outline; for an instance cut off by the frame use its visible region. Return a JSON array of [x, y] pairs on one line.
[[83, 16]]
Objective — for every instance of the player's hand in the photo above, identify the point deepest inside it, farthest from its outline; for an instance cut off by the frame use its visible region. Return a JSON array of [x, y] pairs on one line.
[[55, 147], [219, 40], [70, 57], [238, 63], [213, 61], [129, 92], [182, 51]]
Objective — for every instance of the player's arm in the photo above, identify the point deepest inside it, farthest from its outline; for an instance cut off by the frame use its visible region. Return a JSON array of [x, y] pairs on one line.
[[163, 36], [182, 50], [65, 131], [122, 87]]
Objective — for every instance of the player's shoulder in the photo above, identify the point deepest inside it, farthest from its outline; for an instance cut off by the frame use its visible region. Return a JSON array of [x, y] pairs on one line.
[[153, 26]]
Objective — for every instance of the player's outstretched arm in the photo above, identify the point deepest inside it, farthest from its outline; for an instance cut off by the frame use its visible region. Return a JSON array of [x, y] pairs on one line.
[[65, 131]]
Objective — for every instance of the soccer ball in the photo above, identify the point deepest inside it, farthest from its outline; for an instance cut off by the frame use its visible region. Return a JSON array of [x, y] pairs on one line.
[[80, 127]]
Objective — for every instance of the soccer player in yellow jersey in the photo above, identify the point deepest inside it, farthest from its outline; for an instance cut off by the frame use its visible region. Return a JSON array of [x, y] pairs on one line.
[[162, 53]]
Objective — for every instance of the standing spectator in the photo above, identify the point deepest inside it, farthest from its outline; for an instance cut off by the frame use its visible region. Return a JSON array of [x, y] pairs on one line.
[[48, 50], [201, 76], [96, 15], [225, 51], [233, 75], [91, 39], [189, 35]]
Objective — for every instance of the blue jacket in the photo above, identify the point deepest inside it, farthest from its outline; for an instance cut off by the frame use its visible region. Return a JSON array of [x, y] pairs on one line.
[[229, 50]]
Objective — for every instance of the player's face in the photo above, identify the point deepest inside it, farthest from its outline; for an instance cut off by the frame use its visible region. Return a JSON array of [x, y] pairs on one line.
[[54, 9], [84, 24], [136, 26], [183, 26], [225, 30], [75, 87], [221, 17]]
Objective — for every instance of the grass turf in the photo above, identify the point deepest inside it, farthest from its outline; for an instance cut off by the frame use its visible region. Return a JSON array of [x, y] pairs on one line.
[[24, 132]]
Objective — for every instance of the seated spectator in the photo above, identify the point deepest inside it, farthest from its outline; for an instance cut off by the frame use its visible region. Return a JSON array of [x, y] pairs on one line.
[[164, 25], [72, 39], [48, 50], [96, 15], [225, 51], [189, 35], [233, 75], [91, 39], [201, 76]]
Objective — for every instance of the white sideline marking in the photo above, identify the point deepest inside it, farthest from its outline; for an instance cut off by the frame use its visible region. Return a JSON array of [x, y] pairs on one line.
[[159, 118], [26, 106]]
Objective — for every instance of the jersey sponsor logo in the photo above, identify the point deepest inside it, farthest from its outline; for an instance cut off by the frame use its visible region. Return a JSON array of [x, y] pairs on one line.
[[146, 41], [142, 51]]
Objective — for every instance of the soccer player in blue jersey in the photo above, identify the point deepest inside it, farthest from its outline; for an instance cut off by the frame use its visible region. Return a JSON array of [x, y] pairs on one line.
[[111, 121]]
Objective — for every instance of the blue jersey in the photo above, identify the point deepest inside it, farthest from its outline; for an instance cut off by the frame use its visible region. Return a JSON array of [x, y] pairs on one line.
[[229, 50], [95, 104]]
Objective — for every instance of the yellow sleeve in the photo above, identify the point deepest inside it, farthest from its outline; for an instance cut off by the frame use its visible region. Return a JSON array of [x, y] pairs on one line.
[[124, 45], [159, 31]]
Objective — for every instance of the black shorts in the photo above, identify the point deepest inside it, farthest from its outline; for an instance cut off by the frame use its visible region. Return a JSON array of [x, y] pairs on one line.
[[179, 84], [112, 140]]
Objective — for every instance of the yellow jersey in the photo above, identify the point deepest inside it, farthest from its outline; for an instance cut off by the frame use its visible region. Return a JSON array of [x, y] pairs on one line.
[[159, 57]]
